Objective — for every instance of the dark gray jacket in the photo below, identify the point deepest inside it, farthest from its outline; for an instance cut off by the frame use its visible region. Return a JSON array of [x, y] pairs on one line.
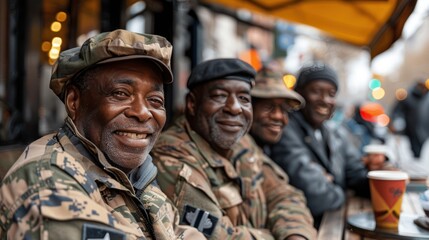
[[306, 162]]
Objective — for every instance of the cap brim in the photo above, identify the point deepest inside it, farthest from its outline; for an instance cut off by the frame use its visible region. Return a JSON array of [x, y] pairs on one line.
[[166, 72], [290, 95]]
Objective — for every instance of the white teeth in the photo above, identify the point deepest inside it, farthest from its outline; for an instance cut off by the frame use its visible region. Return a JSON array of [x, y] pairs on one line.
[[133, 135], [322, 110], [275, 128]]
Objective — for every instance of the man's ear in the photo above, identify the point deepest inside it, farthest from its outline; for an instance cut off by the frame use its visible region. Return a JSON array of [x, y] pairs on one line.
[[72, 101], [191, 103]]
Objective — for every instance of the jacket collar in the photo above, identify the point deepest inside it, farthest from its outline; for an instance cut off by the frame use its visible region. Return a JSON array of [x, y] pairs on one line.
[[88, 149], [212, 157], [311, 141], [90, 146]]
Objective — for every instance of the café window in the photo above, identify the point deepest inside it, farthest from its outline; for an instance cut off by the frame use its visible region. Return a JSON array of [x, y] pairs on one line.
[[135, 17], [4, 108], [65, 24], [38, 30]]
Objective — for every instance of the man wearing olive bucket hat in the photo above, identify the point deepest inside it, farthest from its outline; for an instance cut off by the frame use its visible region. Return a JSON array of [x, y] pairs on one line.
[[272, 101]]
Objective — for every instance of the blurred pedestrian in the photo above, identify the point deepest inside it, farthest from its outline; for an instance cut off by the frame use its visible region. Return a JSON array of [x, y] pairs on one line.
[[406, 117], [363, 132], [94, 177], [214, 172], [319, 160]]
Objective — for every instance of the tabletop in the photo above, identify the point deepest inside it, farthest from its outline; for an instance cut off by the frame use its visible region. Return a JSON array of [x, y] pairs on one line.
[[336, 224], [364, 224]]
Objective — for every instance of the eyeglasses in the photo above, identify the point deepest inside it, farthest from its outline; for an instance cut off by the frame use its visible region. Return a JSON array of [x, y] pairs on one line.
[[285, 108]]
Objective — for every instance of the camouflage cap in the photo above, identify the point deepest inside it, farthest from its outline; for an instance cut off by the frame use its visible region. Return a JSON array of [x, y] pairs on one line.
[[106, 47], [270, 84]]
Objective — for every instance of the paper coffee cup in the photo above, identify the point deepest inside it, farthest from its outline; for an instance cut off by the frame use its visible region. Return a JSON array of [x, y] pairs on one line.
[[387, 190]]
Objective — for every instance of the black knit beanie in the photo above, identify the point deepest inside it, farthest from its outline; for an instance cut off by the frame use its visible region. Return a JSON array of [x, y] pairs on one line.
[[316, 71]]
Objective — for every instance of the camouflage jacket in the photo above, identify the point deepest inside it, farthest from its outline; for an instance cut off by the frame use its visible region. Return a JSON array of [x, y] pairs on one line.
[[62, 187], [245, 197]]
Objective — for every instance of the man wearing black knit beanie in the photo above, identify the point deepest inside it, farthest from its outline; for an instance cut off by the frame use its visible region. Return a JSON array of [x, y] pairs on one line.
[[319, 160]]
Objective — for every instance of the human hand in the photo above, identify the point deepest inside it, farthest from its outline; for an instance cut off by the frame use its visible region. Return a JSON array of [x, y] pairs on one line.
[[374, 161], [329, 177]]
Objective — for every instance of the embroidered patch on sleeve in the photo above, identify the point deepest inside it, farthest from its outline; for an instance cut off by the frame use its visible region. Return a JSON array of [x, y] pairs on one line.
[[97, 232], [200, 219]]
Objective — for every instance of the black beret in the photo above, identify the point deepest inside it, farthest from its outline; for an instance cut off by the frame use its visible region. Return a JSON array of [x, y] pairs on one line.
[[221, 68], [316, 71]]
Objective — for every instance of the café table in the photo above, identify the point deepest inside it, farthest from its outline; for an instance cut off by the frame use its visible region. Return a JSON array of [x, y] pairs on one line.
[[363, 224], [361, 221], [335, 224], [355, 221]]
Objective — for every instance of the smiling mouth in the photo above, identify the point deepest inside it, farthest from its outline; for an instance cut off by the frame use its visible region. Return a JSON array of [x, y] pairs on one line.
[[322, 110], [274, 127], [230, 126], [133, 135]]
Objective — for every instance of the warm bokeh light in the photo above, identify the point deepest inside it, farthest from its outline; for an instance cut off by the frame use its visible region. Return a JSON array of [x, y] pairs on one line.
[[46, 46], [52, 61], [61, 16], [55, 26], [252, 57], [54, 53], [378, 93], [383, 120], [427, 83], [401, 94], [370, 111], [289, 80], [56, 42]]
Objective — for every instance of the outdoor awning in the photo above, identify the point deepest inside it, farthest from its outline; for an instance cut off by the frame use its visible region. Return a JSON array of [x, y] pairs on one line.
[[373, 24]]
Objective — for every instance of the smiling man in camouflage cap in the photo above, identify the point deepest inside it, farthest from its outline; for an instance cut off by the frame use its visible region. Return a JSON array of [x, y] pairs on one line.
[[94, 177]]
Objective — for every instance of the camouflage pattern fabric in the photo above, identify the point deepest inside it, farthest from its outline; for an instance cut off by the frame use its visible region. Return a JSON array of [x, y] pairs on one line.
[[108, 47], [245, 197], [58, 189]]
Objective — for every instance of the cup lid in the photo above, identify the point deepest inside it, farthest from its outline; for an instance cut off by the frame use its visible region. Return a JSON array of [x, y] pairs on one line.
[[375, 148], [388, 175]]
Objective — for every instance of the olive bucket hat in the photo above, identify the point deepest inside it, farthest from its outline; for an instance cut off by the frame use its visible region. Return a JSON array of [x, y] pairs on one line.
[[270, 84], [106, 47]]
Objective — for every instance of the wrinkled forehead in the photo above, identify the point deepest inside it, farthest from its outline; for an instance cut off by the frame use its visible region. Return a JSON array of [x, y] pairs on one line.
[[230, 85]]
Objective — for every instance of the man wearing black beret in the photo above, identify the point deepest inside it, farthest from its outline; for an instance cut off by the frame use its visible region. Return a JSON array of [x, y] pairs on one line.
[[318, 159], [214, 172]]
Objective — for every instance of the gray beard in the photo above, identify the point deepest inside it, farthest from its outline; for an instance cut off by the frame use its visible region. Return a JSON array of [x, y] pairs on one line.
[[220, 140]]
